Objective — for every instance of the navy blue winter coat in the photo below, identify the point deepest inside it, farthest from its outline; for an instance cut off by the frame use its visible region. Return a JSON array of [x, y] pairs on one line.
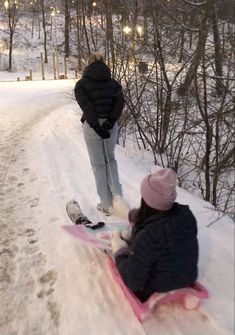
[[163, 254], [99, 95]]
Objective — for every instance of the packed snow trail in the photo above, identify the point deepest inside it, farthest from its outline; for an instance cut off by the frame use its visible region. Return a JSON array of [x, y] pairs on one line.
[[50, 284]]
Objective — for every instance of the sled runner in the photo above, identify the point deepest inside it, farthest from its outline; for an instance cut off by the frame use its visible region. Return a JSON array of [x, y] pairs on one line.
[[188, 297]]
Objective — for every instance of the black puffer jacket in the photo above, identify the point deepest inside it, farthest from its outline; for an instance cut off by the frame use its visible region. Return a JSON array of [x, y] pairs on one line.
[[163, 254], [98, 95]]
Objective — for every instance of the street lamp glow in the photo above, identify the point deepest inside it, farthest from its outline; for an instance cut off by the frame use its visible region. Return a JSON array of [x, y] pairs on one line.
[[139, 30], [126, 30], [6, 4], [94, 4]]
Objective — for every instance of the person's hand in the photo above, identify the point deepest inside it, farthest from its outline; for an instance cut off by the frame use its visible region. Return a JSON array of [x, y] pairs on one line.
[[117, 242], [126, 234], [101, 132], [108, 124]]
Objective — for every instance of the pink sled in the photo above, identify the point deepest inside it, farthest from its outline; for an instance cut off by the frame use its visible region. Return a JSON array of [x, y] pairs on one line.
[[188, 297]]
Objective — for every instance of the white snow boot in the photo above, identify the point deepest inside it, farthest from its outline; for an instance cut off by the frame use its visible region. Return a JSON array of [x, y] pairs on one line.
[[106, 211]]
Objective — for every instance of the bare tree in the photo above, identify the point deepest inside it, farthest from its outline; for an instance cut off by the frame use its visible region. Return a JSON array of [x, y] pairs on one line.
[[109, 31], [44, 31], [11, 10], [67, 4], [78, 35], [217, 48], [193, 133], [203, 31]]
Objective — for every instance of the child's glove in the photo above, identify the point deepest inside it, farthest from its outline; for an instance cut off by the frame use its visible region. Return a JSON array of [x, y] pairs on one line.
[[117, 242]]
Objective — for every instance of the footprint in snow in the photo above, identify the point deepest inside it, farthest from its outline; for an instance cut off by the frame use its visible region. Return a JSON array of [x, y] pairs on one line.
[[47, 281], [30, 232], [34, 202], [54, 219], [12, 179], [26, 170]]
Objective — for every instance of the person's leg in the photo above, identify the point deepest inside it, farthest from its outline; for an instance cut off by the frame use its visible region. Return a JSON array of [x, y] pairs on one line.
[[95, 149], [112, 168]]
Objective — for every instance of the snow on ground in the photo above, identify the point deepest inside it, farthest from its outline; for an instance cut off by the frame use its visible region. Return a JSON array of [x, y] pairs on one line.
[[51, 284]]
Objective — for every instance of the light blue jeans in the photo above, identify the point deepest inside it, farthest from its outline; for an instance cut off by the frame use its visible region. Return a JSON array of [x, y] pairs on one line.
[[104, 168]]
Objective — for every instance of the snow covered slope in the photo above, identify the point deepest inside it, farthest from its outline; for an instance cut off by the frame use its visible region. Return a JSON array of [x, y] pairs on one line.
[[50, 284]]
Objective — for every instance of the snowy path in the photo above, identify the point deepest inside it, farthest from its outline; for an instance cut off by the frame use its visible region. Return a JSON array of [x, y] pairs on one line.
[[50, 284]]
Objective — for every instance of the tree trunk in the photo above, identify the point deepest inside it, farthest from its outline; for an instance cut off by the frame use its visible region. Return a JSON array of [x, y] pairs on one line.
[[203, 30], [44, 31], [218, 55], [10, 49], [78, 26], [109, 32], [84, 26], [203, 108], [12, 22], [66, 28]]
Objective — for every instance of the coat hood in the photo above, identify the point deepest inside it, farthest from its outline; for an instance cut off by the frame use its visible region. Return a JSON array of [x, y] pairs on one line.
[[97, 71]]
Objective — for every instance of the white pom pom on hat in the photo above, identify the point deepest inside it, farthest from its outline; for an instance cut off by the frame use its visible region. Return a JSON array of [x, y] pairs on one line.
[[159, 189]]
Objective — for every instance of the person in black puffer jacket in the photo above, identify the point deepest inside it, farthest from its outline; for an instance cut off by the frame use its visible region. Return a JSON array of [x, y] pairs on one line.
[[161, 253], [101, 100]]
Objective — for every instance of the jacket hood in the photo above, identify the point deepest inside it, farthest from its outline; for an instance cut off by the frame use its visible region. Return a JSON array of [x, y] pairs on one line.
[[97, 71], [177, 209]]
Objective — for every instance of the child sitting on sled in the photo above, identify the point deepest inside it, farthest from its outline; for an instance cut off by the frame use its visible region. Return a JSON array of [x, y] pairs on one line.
[[161, 252]]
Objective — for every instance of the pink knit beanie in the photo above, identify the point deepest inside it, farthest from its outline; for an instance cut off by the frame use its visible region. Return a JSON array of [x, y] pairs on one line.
[[159, 189]]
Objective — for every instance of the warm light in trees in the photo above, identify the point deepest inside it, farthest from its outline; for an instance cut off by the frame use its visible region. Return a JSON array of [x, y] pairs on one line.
[[127, 30], [54, 11], [6, 4], [139, 30]]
